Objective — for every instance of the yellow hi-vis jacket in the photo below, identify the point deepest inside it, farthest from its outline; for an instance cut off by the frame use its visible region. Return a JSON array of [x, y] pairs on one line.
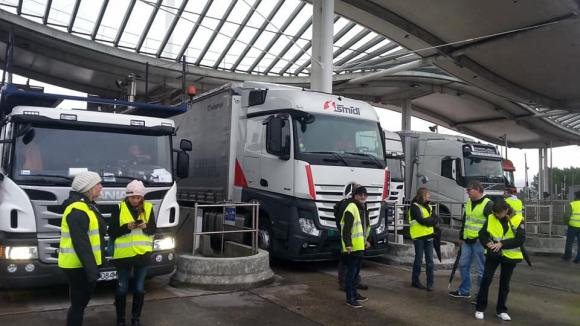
[[136, 242], [357, 234], [495, 230], [575, 217], [474, 219], [418, 230], [516, 205], [67, 257]]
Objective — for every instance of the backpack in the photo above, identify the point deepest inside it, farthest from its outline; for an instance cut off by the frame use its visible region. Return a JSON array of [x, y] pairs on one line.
[[339, 211]]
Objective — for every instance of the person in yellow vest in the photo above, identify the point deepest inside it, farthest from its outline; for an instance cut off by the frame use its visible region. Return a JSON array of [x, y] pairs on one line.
[[502, 237], [572, 218], [477, 208], [355, 228], [132, 226], [422, 221], [516, 205], [81, 248]]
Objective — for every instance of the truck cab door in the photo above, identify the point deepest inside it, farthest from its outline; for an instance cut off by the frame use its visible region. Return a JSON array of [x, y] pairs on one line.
[[276, 168]]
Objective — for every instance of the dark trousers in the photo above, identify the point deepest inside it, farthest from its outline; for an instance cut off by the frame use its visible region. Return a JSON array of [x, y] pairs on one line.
[[573, 233], [123, 279], [423, 246], [353, 262], [507, 269], [342, 273], [80, 291]]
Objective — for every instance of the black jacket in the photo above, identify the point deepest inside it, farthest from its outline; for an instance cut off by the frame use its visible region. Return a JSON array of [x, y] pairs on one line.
[[417, 215], [78, 223], [486, 211], [349, 221], [115, 231], [518, 241]]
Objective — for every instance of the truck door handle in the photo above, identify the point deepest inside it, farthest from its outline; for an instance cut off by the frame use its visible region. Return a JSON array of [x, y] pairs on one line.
[[263, 183]]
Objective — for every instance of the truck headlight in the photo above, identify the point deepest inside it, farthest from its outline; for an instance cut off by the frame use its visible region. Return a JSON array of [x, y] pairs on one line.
[[307, 226], [167, 243], [18, 253], [382, 226]]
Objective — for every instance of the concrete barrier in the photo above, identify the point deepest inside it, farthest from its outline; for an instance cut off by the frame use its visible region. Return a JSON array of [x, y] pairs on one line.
[[223, 273], [404, 254], [543, 245]]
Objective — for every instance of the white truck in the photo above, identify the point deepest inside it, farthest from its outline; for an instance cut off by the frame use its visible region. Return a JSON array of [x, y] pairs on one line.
[[396, 162], [446, 163], [42, 148], [293, 151]]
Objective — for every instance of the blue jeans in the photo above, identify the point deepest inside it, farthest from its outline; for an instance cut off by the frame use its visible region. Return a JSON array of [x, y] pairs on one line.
[[123, 277], [423, 246], [573, 233], [469, 251], [353, 262]]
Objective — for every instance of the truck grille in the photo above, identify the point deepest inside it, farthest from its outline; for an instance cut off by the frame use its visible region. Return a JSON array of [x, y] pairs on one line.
[[328, 195]]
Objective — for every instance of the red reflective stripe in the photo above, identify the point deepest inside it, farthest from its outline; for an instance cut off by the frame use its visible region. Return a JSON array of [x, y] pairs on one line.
[[310, 182], [239, 177], [386, 191]]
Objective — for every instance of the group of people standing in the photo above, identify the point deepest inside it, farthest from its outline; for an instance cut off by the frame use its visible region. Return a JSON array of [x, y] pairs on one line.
[[492, 235], [82, 245]]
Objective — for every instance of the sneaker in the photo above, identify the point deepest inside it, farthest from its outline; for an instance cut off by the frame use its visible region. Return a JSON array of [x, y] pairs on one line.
[[354, 304], [479, 315], [504, 316], [473, 302], [361, 298], [418, 286], [430, 288], [362, 286], [457, 294]]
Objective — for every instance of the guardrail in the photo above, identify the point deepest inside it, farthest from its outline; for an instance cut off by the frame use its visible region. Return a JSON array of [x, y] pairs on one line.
[[228, 220], [537, 209]]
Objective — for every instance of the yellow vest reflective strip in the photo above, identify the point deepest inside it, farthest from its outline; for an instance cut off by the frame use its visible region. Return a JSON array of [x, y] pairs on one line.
[[136, 242], [495, 229], [357, 234], [67, 257], [474, 219], [575, 217], [516, 205], [416, 229]]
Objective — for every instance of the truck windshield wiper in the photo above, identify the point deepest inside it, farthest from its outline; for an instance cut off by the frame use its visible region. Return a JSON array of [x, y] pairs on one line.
[[48, 178], [340, 157], [51, 176], [372, 157]]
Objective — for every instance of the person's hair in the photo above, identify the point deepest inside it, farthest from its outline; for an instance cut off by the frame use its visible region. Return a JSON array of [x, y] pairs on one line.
[[140, 207], [361, 190], [350, 188], [474, 184], [512, 190], [420, 195], [500, 205]]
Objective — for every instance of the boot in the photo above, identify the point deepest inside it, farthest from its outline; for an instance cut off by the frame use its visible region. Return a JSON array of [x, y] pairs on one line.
[[137, 306], [120, 301]]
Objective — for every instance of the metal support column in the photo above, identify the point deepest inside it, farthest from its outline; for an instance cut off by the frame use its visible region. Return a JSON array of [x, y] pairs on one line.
[[322, 39], [406, 113]]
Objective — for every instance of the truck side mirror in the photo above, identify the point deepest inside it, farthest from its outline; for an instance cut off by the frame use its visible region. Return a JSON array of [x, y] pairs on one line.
[[182, 169], [185, 145], [459, 172], [276, 143]]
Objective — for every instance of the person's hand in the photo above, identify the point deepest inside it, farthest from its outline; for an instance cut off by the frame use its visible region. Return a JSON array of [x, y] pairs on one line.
[[131, 225], [349, 249], [489, 245], [461, 242], [367, 245], [497, 247], [142, 225]]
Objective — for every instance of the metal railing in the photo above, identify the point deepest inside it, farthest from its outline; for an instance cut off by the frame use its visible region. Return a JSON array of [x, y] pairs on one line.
[[228, 209], [537, 210]]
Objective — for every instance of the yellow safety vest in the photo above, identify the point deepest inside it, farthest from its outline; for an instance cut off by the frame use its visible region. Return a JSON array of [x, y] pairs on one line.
[[474, 219], [516, 205], [136, 242], [357, 234], [495, 229], [418, 230], [575, 217], [67, 257]]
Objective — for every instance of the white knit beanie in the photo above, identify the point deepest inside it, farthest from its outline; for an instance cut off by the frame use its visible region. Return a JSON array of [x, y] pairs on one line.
[[135, 188], [85, 181]]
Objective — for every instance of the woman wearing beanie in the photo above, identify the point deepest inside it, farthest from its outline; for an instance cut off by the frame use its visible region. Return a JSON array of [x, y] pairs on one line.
[[82, 243], [132, 227]]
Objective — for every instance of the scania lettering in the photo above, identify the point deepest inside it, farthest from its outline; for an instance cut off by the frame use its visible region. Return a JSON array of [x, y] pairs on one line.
[[292, 150]]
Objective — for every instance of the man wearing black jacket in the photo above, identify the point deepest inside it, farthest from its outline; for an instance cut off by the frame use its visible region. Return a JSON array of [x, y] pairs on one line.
[[82, 243]]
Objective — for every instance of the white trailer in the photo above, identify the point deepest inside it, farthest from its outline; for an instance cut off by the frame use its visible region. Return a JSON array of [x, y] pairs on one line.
[[292, 150]]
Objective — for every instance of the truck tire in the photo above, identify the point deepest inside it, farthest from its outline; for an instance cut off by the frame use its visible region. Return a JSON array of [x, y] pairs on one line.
[[265, 233]]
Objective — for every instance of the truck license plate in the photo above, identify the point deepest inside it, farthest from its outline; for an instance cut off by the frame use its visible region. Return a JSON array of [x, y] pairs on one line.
[[107, 276]]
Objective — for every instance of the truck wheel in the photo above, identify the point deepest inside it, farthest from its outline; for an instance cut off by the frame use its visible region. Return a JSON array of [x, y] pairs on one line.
[[265, 235]]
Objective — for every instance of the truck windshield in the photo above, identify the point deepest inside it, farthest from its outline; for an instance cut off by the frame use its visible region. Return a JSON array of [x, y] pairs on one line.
[[395, 165], [479, 167], [53, 156], [327, 133]]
